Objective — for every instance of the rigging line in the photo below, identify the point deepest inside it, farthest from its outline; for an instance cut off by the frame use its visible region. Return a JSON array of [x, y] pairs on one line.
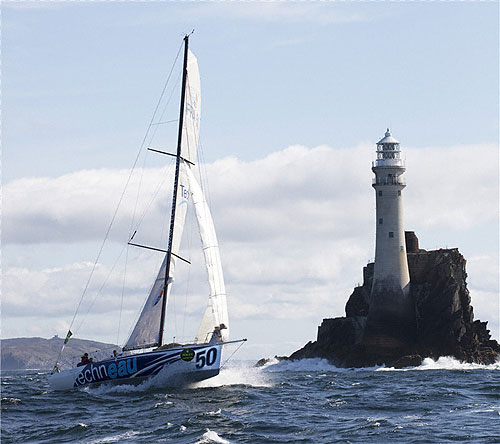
[[155, 129], [190, 223], [100, 289], [174, 89], [162, 94], [164, 235], [136, 319], [232, 354], [139, 188], [90, 352], [121, 299], [132, 223], [167, 121], [159, 261], [130, 235], [123, 192], [154, 132], [153, 197]]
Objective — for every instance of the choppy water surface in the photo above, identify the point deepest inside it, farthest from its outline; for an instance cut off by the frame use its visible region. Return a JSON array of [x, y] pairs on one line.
[[302, 402]]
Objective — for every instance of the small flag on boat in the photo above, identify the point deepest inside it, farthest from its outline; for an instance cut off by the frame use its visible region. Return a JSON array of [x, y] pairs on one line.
[[67, 337]]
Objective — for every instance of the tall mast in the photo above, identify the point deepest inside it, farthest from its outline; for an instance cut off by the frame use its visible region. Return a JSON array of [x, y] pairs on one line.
[[176, 184]]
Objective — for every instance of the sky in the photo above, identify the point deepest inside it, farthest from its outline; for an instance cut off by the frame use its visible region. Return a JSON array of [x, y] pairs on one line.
[[295, 96]]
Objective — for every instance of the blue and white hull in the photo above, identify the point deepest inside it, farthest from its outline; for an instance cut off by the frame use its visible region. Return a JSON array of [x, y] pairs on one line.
[[180, 365]]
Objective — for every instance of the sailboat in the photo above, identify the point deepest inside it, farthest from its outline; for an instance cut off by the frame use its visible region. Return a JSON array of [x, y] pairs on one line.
[[144, 354]]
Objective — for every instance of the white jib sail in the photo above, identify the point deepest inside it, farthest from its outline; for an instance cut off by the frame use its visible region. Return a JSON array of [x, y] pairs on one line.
[[192, 111], [216, 310]]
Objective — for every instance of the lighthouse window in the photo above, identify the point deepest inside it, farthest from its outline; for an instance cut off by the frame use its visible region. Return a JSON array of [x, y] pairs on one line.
[[399, 192], [391, 233], [380, 192], [381, 221]]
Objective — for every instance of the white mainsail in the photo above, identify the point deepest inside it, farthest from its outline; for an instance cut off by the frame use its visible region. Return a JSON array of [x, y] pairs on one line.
[[216, 310], [147, 329]]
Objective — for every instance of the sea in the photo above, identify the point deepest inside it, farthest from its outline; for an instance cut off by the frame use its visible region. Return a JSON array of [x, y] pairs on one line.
[[305, 401]]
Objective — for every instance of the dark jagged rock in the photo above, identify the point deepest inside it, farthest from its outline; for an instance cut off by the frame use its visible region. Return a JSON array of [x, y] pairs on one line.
[[408, 361], [264, 361], [444, 321]]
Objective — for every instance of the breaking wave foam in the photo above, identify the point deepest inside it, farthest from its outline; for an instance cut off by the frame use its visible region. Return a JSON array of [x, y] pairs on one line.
[[236, 375], [210, 436], [114, 438], [449, 363], [233, 375], [308, 365], [248, 375], [317, 364]]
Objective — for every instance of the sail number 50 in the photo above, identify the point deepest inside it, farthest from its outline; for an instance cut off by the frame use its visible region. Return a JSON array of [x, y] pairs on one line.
[[206, 357]]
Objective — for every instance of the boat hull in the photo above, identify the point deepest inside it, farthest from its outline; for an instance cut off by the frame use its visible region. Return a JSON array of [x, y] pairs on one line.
[[179, 366]]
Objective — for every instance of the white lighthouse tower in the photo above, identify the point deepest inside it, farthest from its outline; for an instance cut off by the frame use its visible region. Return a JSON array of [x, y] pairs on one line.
[[391, 309], [391, 265]]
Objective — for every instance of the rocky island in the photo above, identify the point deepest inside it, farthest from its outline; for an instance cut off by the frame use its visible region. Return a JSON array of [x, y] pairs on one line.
[[413, 303], [40, 353], [443, 323]]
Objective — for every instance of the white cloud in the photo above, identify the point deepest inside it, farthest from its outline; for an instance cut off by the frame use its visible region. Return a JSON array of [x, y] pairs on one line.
[[295, 230], [455, 187]]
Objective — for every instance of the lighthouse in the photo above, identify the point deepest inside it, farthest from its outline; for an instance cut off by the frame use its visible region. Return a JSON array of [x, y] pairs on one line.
[[391, 308]]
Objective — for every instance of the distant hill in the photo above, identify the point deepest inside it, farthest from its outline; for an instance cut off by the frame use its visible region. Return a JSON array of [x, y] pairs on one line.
[[40, 353]]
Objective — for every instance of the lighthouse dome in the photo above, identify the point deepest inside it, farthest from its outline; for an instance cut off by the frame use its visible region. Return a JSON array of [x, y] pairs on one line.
[[387, 138]]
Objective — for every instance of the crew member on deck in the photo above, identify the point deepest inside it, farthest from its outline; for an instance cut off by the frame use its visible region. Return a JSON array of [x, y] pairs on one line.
[[217, 335], [85, 360]]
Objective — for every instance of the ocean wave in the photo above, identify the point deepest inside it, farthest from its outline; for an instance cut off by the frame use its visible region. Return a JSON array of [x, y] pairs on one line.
[[13, 401], [311, 364], [322, 365], [445, 363], [161, 380], [210, 436], [214, 413], [114, 438], [105, 389], [236, 375]]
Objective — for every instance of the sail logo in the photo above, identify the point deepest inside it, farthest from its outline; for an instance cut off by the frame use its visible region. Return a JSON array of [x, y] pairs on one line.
[[185, 195], [191, 112], [192, 107], [158, 298], [102, 372]]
